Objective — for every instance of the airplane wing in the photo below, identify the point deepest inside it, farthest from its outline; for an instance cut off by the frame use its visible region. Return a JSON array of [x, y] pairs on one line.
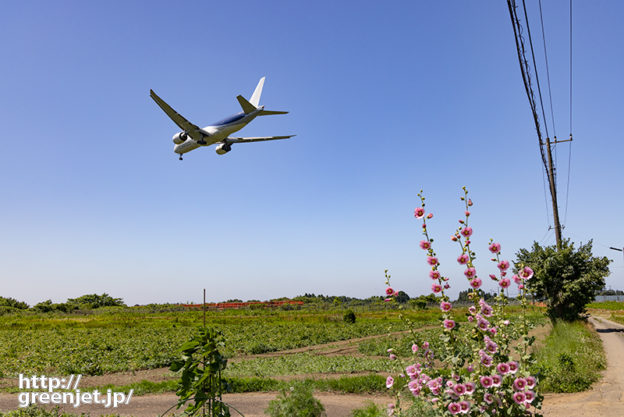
[[255, 139], [178, 119]]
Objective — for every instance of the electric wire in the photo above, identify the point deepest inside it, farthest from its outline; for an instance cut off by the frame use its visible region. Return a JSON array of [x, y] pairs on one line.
[[552, 113], [565, 215]]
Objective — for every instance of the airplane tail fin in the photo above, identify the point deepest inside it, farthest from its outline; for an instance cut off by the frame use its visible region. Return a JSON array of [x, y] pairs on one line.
[[255, 97]]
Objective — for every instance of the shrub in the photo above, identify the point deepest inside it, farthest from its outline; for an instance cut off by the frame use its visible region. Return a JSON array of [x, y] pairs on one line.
[[298, 401], [349, 317]]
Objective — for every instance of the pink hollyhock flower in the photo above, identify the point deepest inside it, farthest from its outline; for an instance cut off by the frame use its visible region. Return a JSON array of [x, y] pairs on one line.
[[476, 283], [449, 324], [454, 408], [414, 386], [445, 306], [459, 389], [414, 348], [467, 231], [491, 346], [503, 368], [486, 310], [419, 212], [506, 322], [517, 279], [519, 397], [504, 283], [388, 299], [513, 367], [430, 215], [470, 368], [488, 398], [486, 361], [530, 382], [497, 380], [470, 319], [529, 396], [392, 357], [434, 275], [519, 384], [526, 273], [482, 323], [411, 371], [425, 345], [503, 265], [389, 382], [495, 247], [389, 350], [472, 310], [432, 260], [470, 272], [436, 288], [493, 331], [470, 387], [463, 259], [521, 286], [492, 276], [465, 406], [486, 381], [389, 291], [425, 244]]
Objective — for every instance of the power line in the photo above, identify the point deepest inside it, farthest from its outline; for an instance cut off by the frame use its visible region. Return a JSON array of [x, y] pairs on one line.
[[565, 216], [552, 113]]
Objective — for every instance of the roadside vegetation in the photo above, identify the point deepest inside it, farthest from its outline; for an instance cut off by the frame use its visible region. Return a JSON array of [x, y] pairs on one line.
[[570, 359]]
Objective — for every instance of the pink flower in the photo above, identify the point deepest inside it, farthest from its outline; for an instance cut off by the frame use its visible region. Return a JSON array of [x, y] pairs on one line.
[[488, 398], [425, 244], [467, 231], [463, 259], [519, 397], [470, 319], [513, 367], [432, 260], [470, 272], [430, 215], [425, 345], [530, 381], [526, 273], [392, 357], [414, 348], [470, 369], [486, 310], [521, 286], [491, 347], [445, 306], [519, 384], [486, 381], [529, 396], [446, 286], [389, 291], [476, 283], [495, 247], [467, 213], [459, 389], [486, 361], [493, 331], [496, 380], [472, 310], [449, 324], [419, 212], [492, 276], [503, 368], [389, 382], [470, 387], [434, 275], [411, 371], [504, 283], [414, 386], [436, 288], [503, 265], [465, 406], [454, 408]]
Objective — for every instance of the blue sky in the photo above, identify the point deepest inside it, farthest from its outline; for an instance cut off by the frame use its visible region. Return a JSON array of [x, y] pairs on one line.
[[384, 99]]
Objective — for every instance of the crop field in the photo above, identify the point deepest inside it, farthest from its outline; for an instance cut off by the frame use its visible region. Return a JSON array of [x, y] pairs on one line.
[[128, 339]]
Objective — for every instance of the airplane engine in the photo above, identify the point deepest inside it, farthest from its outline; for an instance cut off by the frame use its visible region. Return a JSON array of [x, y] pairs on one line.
[[223, 148], [179, 138]]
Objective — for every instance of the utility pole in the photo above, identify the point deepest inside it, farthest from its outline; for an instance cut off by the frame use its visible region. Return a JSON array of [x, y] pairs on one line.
[[553, 187]]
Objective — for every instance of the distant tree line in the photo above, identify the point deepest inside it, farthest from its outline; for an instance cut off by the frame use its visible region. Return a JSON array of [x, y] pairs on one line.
[[85, 302]]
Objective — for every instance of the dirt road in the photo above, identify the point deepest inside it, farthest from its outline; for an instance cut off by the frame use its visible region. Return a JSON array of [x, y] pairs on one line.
[[606, 398]]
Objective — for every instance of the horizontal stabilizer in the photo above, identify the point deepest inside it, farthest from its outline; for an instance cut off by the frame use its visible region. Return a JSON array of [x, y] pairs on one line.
[[255, 139], [270, 112], [247, 106]]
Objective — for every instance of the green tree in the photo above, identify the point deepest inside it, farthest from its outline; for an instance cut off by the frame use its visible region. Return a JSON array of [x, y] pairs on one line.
[[568, 279], [402, 297]]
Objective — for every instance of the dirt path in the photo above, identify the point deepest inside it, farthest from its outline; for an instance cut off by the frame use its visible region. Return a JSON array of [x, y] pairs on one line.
[[606, 398], [250, 404]]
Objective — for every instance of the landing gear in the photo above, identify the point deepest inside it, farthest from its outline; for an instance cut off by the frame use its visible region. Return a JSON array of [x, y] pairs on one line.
[[180, 157]]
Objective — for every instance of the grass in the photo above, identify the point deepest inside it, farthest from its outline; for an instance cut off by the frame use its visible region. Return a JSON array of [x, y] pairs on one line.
[[571, 358], [607, 305]]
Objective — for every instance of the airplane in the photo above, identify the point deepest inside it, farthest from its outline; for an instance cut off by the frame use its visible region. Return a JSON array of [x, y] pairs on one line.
[[192, 137]]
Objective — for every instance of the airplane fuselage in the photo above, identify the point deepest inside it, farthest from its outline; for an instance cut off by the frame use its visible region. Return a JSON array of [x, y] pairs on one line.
[[218, 132]]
